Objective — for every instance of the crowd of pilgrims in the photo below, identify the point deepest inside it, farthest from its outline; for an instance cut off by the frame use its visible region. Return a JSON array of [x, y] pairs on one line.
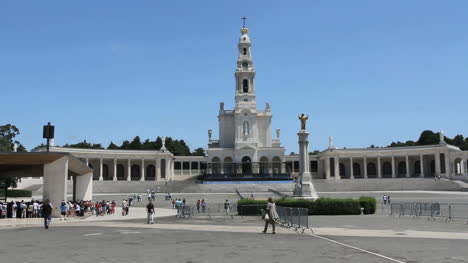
[[33, 208]]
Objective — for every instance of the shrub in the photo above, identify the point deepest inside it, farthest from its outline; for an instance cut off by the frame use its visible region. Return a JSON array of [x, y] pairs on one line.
[[250, 207], [321, 206], [19, 193], [368, 203]]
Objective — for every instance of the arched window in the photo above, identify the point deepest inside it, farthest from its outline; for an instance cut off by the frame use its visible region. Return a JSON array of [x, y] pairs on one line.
[[245, 86], [276, 165], [105, 172], [371, 169], [150, 173], [356, 169], [120, 172], [246, 165], [401, 168], [417, 167], [245, 65], [135, 172], [342, 171], [245, 128], [387, 168], [244, 51], [163, 168]]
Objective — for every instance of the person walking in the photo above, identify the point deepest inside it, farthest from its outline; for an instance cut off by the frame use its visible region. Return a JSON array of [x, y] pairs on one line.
[[150, 211], [226, 207], [124, 207], [47, 213], [270, 216], [384, 200], [203, 205], [198, 206], [63, 210]]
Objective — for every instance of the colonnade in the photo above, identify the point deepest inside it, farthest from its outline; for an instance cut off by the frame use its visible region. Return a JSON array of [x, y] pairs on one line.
[[386, 166], [160, 168]]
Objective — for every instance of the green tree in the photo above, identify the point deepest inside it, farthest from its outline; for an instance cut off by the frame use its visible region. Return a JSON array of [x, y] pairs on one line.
[[428, 137], [85, 145], [135, 144], [112, 146], [199, 152], [8, 133]]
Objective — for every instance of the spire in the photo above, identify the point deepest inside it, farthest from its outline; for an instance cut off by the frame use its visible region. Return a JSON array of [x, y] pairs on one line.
[[244, 29]]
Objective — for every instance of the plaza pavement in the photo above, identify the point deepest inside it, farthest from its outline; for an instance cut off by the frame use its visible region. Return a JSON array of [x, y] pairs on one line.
[[366, 238]]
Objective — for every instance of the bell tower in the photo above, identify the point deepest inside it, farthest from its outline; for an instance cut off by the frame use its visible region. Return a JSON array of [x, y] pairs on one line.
[[245, 73]]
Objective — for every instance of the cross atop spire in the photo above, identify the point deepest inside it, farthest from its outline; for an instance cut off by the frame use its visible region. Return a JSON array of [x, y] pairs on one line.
[[244, 18]]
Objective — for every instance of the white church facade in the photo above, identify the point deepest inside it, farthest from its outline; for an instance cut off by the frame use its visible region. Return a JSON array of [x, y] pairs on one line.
[[245, 146]]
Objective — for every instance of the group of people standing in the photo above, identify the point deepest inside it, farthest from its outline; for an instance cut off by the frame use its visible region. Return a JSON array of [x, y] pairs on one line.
[[386, 199]]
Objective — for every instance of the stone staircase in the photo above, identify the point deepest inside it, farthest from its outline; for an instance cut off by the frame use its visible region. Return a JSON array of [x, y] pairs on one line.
[[189, 186]]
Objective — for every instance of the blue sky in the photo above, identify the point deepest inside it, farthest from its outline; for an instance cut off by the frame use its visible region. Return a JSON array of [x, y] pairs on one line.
[[366, 72]]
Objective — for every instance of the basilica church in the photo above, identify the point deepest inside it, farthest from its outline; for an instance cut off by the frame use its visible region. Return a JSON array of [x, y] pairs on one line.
[[245, 131]]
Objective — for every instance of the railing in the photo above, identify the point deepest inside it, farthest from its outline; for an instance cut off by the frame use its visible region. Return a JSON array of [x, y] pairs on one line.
[[447, 211], [213, 210], [293, 217]]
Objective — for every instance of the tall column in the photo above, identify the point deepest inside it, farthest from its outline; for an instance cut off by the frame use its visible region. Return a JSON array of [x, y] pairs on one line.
[[142, 178], [304, 187], [379, 168], [157, 168], [327, 168], [351, 170], [422, 165], [407, 166], [393, 167], [337, 168], [365, 167], [115, 170], [100, 169], [437, 163], [448, 171], [129, 170]]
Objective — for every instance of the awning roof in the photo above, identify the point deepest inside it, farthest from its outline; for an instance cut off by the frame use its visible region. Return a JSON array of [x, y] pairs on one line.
[[32, 162]]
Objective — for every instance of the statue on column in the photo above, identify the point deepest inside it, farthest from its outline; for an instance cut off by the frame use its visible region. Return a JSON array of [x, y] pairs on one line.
[[210, 133], [267, 106], [330, 143], [278, 133], [441, 137], [15, 147], [221, 106], [163, 147], [303, 119]]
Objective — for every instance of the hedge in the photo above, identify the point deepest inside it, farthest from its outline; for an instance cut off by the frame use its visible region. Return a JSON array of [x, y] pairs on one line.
[[321, 206], [19, 193]]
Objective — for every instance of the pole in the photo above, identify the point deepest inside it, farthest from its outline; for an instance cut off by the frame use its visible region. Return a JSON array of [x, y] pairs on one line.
[[48, 144]]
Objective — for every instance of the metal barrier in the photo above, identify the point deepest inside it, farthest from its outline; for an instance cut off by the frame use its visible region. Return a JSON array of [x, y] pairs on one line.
[[432, 211], [293, 217], [218, 209], [185, 211]]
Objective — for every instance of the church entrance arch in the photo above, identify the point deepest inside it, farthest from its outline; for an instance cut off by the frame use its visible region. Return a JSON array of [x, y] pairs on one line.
[[263, 165], [216, 165], [246, 166], [228, 167], [387, 170]]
